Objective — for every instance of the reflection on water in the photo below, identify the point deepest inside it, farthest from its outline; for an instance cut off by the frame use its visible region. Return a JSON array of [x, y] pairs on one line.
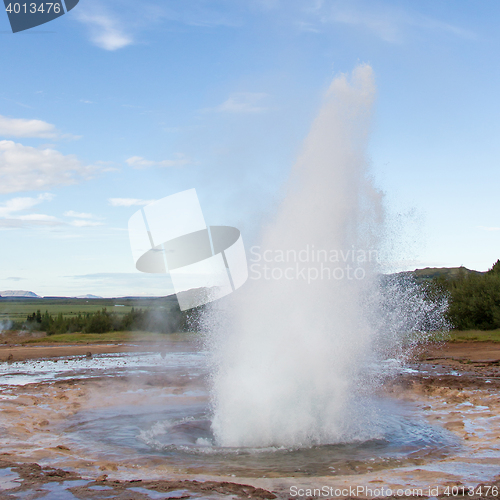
[[167, 415], [181, 434], [147, 415], [54, 369], [8, 479]]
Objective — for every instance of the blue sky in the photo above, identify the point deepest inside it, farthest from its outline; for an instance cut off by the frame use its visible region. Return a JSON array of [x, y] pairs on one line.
[[121, 102]]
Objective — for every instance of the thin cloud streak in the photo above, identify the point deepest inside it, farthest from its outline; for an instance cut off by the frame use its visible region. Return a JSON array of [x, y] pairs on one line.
[[23, 223], [86, 223], [81, 215], [128, 202], [18, 204], [140, 162], [9, 217], [388, 23], [105, 30], [241, 102]]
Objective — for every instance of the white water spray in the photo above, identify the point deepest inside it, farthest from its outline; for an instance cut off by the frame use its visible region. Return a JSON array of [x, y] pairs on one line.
[[290, 361]]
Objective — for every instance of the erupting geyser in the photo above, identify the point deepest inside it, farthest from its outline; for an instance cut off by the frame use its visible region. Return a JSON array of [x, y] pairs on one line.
[[293, 358]]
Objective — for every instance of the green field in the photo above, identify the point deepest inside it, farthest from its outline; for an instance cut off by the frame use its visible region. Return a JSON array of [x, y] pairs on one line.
[[466, 336], [18, 309], [110, 337], [474, 336], [454, 336]]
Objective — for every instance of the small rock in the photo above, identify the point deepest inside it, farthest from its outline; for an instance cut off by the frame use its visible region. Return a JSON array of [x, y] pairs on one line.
[[62, 447], [102, 477], [89, 354], [10, 357]]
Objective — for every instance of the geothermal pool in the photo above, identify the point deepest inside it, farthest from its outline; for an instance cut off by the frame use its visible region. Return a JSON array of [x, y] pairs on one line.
[[156, 405], [147, 415], [138, 420]]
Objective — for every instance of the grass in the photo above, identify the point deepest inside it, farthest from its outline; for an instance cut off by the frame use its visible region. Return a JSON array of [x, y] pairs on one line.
[[110, 337], [17, 310], [83, 338], [467, 336], [474, 336]]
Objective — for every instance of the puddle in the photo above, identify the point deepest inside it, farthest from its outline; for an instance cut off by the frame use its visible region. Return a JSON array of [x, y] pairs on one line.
[[50, 491], [21, 373], [155, 495], [8, 479]]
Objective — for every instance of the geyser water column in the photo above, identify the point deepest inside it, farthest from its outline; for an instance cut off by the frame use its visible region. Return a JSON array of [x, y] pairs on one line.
[[288, 359]]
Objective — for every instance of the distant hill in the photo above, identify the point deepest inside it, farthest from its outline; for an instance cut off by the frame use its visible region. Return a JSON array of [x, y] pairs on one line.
[[429, 273], [19, 294], [419, 275]]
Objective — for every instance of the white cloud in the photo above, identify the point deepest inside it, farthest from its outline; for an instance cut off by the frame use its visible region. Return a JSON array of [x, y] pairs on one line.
[[19, 223], [140, 162], [19, 127], [24, 168], [81, 219], [112, 27], [242, 102], [128, 202], [85, 223], [18, 204], [107, 166], [79, 215], [9, 216], [489, 228], [105, 30], [37, 217]]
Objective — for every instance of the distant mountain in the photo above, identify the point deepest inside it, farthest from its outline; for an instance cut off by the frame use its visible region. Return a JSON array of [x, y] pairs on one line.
[[429, 273], [419, 275], [19, 293], [171, 297]]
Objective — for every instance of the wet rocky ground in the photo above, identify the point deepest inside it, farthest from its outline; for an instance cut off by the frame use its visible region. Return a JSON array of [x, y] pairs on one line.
[[45, 454]]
